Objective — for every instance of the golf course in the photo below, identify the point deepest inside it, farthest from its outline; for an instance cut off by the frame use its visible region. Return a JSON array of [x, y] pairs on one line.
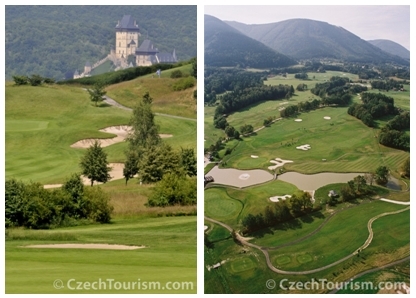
[[254, 239], [142, 249]]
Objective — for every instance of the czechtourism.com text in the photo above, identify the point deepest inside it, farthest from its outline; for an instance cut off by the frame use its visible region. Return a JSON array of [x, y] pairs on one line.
[[112, 284], [324, 284]]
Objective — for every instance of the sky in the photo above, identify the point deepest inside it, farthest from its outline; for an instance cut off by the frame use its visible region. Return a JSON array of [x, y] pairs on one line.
[[366, 21]]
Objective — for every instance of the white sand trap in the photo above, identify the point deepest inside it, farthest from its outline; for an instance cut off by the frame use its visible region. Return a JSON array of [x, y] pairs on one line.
[[205, 228], [87, 246], [298, 120], [304, 147], [278, 163], [244, 176], [120, 131], [277, 198], [327, 118], [254, 156]]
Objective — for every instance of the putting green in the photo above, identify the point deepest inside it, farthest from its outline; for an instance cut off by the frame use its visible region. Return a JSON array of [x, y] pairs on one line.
[[25, 125], [219, 205], [282, 260], [305, 258], [242, 264]]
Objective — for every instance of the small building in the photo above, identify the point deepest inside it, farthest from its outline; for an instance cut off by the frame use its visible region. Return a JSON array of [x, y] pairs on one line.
[[147, 54]]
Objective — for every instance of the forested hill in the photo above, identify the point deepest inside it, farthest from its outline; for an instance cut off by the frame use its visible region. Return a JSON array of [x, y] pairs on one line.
[[307, 39], [51, 40], [391, 47], [225, 46]]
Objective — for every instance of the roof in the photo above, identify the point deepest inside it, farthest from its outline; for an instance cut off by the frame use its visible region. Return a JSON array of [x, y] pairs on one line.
[[147, 48], [166, 57], [127, 23]]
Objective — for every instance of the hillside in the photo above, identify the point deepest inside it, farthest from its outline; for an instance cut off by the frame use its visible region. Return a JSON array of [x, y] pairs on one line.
[[225, 46], [307, 39], [391, 47], [52, 40]]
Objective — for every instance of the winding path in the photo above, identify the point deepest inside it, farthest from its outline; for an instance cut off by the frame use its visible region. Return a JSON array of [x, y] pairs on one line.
[[112, 102], [265, 250]]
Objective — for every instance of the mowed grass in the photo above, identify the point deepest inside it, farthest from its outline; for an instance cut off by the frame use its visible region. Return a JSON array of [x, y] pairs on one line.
[[42, 122], [401, 98], [169, 256], [232, 205], [351, 222], [341, 144], [165, 99]]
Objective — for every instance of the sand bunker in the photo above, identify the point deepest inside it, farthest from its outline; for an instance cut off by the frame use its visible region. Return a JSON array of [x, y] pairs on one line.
[[254, 156], [327, 118], [298, 120], [244, 176], [87, 246], [277, 198], [278, 163], [115, 173], [304, 147], [120, 131]]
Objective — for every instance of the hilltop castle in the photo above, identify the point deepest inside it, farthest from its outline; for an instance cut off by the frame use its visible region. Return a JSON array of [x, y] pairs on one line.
[[127, 44]]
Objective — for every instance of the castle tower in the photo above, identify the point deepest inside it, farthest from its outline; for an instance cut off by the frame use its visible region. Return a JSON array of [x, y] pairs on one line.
[[127, 37]]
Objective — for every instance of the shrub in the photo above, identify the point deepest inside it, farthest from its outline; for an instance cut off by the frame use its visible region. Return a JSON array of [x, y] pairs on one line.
[[184, 83], [176, 74]]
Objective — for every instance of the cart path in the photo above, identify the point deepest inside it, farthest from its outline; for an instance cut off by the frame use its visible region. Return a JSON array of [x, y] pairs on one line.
[[264, 250], [112, 102]]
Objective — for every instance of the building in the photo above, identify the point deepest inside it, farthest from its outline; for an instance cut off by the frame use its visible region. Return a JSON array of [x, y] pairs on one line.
[[127, 37], [147, 55]]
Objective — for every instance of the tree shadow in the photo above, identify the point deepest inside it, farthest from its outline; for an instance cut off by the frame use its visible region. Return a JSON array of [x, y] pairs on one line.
[[103, 105]]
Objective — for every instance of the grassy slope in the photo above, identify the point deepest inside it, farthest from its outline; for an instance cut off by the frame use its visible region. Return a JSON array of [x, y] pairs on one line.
[[165, 99], [63, 115], [170, 256]]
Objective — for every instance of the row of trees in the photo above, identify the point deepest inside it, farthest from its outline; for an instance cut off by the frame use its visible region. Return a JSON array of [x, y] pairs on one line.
[[386, 85], [30, 205], [300, 203], [33, 80]]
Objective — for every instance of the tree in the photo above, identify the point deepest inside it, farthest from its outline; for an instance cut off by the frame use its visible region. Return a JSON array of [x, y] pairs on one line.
[[20, 80], [406, 168], [194, 68], [35, 80], [94, 164], [229, 131], [246, 129], [188, 161], [382, 173], [144, 132], [97, 92], [131, 165]]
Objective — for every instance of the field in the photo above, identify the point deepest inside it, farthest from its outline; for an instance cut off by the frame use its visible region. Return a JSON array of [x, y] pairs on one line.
[[42, 123], [168, 257]]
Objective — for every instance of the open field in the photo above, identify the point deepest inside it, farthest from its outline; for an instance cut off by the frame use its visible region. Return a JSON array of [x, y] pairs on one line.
[[165, 99], [168, 257], [42, 122]]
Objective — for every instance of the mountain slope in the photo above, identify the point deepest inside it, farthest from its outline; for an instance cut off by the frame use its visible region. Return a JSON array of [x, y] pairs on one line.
[[52, 40], [226, 46], [391, 47], [306, 39]]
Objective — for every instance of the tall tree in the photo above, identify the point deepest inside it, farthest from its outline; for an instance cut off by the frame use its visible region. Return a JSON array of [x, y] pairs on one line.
[[97, 92], [406, 168], [144, 131], [188, 161], [131, 165], [94, 164], [382, 174]]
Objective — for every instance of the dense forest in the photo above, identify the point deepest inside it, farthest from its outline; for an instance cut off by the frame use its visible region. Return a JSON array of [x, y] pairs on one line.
[[53, 40]]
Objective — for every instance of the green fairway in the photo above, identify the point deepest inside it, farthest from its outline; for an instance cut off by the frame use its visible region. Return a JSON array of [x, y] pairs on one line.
[[331, 235], [169, 257], [42, 122]]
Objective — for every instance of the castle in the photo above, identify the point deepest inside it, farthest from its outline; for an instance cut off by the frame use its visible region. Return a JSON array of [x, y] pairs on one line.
[[127, 41]]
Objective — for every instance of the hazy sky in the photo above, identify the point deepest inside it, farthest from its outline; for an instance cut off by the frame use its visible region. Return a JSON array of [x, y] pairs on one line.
[[368, 22]]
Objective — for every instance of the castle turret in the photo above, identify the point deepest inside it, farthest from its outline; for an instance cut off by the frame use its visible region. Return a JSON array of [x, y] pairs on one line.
[[127, 37]]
